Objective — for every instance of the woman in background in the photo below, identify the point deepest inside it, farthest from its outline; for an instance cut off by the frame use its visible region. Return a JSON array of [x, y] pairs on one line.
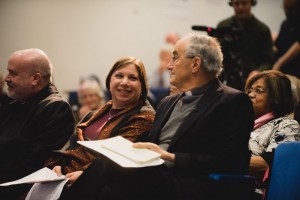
[[272, 99], [90, 97]]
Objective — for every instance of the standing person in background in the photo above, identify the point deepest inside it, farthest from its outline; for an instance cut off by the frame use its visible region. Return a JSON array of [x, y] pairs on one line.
[[250, 47], [288, 42], [37, 122]]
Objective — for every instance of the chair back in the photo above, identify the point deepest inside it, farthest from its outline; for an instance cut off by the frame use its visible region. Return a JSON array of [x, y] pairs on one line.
[[234, 186], [285, 172]]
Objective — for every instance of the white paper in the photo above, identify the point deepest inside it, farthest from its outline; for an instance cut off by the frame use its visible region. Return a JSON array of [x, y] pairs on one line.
[[97, 145], [46, 190], [42, 175], [124, 147]]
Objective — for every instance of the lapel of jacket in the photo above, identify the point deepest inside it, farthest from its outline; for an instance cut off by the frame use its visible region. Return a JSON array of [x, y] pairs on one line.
[[164, 116], [211, 95]]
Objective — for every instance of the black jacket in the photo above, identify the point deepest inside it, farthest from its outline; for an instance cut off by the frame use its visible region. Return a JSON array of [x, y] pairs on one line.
[[29, 132], [211, 139]]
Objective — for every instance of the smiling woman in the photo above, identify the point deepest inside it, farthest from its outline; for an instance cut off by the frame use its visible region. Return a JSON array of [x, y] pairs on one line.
[[125, 86], [128, 114]]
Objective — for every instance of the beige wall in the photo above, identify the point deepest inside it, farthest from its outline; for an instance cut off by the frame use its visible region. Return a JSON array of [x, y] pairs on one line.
[[88, 36]]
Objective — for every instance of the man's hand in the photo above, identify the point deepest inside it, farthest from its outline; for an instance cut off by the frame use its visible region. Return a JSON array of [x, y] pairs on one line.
[[164, 154]]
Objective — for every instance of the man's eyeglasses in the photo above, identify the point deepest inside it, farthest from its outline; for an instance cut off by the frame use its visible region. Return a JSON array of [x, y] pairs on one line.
[[257, 90], [175, 58]]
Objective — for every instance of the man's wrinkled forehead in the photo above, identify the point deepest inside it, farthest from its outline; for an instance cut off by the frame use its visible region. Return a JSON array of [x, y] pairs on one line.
[[181, 46]]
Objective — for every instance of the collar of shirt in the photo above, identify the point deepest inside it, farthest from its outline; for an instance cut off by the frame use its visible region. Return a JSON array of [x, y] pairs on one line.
[[200, 90]]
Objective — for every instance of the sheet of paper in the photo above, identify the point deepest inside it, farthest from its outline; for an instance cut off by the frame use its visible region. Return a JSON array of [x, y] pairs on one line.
[[124, 147], [96, 145], [43, 175], [46, 190]]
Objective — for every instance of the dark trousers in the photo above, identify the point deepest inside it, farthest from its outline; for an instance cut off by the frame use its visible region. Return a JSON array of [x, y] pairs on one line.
[[106, 180]]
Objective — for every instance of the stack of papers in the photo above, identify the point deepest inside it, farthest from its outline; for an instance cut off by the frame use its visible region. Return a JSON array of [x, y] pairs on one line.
[[42, 175], [121, 151], [48, 186]]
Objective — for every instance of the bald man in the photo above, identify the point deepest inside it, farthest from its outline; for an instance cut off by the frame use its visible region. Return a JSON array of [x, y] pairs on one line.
[[35, 123]]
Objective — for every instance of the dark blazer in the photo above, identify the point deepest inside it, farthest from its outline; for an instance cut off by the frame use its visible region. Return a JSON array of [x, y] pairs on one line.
[[29, 132], [213, 138]]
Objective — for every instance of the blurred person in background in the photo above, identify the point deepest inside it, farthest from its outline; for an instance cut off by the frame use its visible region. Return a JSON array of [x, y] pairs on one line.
[[247, 44], [90, 97], [287, 43], [172, 37]]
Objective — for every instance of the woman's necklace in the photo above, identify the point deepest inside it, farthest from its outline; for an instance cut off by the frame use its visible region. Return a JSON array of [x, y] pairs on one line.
[[113, 112]]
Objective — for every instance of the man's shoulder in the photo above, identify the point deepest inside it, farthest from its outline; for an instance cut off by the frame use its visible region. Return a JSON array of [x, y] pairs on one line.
[[54, 102], [168, 101], [171, 98], [259, 24], [147, 108], [226, 22], [230, 93]]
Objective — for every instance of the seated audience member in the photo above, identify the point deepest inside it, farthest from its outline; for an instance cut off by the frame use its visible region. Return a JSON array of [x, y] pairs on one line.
[[37, 122], [128, 114], [203, 130], [90, 97], [73, 98], [271, 95], [161, 76], [160, 79], [295, 84], [297, 113]]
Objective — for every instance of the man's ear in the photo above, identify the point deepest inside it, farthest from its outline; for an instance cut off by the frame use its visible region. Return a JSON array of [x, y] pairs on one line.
[[36, 78], [196, 64]]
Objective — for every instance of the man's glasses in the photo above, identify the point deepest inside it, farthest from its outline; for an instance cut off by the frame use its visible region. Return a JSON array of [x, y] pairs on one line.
[[257, 90], [175, 58]]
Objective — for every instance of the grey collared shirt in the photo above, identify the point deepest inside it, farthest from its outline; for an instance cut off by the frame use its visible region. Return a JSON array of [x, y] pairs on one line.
[[185, 105]]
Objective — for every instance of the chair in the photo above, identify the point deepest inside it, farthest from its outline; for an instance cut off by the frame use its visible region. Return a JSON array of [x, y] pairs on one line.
[[234, 186], [285, 172]]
